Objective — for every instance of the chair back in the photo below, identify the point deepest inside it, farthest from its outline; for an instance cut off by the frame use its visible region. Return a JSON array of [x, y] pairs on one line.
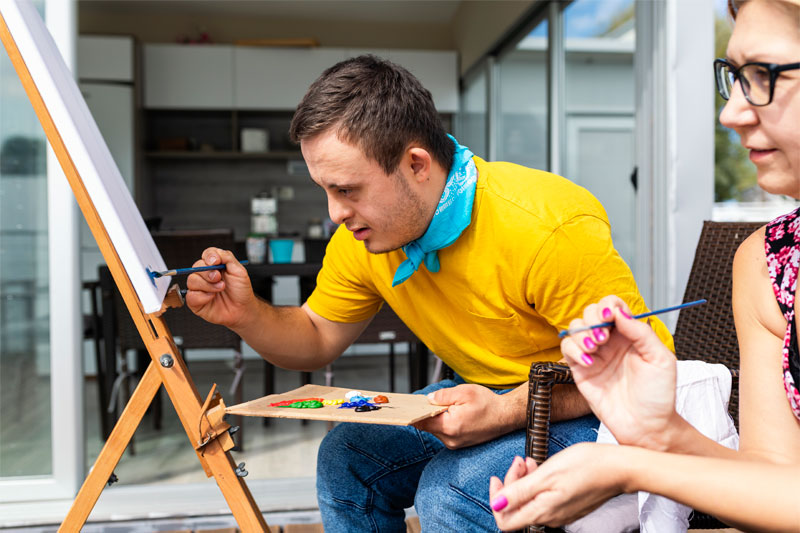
[[707, 332], [181, 249]]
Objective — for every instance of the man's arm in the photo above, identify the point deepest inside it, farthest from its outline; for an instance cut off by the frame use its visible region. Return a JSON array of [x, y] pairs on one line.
[[296, 338], [290, 337]]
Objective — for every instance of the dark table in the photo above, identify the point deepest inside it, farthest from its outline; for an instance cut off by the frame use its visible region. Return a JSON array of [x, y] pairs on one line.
[[386, 326]]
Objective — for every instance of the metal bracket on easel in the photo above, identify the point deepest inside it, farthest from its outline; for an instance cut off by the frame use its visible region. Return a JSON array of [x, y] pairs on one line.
[[173, 298], [212, 424]]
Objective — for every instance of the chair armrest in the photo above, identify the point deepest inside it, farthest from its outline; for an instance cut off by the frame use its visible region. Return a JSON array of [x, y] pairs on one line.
[[540, 392]]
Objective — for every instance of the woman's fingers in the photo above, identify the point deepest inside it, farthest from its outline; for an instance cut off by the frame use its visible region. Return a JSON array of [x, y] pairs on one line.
[[575, 347], [643, 338], [508, 501], [516, 470], [573, 354], [581, 348], [495, 486]]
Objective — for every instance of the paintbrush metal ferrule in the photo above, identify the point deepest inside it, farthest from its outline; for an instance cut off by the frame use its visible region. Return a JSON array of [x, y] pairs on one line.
[[564, 333]]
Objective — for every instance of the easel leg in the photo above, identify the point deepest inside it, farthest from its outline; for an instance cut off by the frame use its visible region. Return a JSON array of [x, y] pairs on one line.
[[217, 460], [112, 451]]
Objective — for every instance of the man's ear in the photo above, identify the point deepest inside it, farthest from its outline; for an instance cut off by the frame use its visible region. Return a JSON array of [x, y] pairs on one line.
[[420, 161]]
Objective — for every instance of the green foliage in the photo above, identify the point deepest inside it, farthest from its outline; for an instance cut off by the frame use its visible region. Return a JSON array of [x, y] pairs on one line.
[[733, 172]]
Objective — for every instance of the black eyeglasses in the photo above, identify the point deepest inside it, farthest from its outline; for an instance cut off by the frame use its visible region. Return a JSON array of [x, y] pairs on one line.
[[757, 79]]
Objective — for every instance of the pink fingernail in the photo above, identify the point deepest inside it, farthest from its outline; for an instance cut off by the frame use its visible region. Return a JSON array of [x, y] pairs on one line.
[[599, 335], [607, 314], [499, 503], [589, 343], [587, 359]]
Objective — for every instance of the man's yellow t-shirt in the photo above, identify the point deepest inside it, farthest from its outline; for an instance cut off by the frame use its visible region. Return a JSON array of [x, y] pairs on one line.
[[537, 251]]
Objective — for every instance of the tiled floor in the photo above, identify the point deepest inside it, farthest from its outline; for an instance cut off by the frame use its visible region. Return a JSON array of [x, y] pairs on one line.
[[277, 524]]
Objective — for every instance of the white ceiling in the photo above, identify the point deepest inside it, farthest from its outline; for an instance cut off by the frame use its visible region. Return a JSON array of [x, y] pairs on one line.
[[427, 11]]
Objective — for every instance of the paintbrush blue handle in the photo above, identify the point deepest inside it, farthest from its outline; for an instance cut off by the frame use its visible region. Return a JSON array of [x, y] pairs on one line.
[[179, 271], [564, 333]]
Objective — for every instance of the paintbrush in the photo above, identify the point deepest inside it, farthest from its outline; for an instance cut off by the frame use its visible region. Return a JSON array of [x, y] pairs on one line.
[[180, 271], [566, 332]]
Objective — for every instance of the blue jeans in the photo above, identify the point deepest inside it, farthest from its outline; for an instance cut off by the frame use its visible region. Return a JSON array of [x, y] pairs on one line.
[[367, 475]]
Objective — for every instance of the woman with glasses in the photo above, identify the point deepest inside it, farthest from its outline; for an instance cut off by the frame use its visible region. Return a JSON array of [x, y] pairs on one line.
[[628, 376]]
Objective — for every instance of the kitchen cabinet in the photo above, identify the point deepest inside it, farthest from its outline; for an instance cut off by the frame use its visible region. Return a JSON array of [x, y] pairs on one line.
[[277, 78], [178, 76], [105, 58], [272, 78]]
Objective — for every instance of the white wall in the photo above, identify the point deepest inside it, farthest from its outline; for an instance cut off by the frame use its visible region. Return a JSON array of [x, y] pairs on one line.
[[675, 141]]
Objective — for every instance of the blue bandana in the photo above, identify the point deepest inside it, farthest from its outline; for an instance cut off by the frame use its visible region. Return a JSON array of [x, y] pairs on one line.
[[452, 217]]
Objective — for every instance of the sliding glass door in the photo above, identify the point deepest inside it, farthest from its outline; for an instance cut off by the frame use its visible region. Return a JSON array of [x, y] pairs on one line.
[[40, 421]]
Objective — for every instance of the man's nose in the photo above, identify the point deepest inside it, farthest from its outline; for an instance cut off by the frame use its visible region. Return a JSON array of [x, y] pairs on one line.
[[338, 211]]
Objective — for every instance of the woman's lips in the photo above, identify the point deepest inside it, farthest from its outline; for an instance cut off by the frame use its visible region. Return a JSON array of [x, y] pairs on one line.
[[759, 155]]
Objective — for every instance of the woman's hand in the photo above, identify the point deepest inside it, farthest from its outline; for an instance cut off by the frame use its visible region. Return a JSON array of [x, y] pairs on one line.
[[220, 296], [569, 485], [626, 374]]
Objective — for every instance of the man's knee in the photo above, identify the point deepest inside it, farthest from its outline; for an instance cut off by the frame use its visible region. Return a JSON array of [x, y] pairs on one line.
[[450, 488], [367, 452]]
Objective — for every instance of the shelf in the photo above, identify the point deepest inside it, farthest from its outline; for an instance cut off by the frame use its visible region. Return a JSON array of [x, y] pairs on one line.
[[284, 269], [284, 154]]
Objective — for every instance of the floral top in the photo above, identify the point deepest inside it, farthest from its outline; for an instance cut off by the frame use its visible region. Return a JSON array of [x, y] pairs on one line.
[[782, 245]]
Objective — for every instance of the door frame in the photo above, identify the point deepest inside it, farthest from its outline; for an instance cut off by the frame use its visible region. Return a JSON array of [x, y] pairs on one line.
[[66, 368]]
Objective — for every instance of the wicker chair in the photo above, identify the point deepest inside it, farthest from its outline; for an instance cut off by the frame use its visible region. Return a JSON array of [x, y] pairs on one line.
[[704, 333]]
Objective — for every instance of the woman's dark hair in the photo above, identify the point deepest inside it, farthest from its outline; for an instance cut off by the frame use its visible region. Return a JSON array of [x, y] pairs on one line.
[[375, 105]]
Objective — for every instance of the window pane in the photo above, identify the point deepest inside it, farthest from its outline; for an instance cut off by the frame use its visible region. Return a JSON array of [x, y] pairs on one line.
[[599, 106], [25, 432], [522, 102], [472, 117]]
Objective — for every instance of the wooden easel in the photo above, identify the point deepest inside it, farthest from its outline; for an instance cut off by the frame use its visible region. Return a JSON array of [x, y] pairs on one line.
[[202, 421]]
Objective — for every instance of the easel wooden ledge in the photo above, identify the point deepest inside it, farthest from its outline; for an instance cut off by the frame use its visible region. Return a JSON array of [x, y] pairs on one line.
[[201, 421]]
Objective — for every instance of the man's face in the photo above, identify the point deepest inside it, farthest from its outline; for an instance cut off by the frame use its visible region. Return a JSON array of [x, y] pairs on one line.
[[383, 211]]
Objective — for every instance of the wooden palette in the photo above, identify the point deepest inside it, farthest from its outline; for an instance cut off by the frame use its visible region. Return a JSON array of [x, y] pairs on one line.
[[402, 409]]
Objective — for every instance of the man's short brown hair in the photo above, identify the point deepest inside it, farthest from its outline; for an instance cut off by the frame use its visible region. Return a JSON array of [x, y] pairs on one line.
[[375, 105]]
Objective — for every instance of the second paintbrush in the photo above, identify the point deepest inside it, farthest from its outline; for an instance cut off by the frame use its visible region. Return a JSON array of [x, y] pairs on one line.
[[180, 271], [566, 332]]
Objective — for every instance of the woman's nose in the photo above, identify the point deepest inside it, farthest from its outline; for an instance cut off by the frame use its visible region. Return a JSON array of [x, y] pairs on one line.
[[738, 112]]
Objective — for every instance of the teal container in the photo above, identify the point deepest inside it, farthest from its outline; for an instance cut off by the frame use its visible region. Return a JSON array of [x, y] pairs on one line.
[[281, 250]]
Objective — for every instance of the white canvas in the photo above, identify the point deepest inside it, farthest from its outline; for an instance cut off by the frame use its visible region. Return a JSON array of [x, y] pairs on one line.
[[88, 151]]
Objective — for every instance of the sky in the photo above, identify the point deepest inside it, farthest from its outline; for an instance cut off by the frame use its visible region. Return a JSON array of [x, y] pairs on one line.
[[587, 18]]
